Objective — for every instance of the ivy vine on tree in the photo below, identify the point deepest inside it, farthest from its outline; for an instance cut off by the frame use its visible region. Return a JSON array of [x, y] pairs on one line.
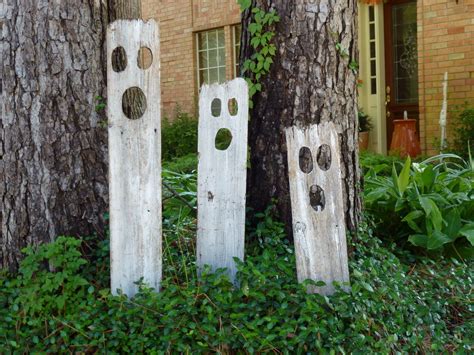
[[258, 65]]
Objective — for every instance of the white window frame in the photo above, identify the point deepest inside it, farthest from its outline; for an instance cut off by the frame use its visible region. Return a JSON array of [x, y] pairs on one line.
[[235, 43], [207, 49]]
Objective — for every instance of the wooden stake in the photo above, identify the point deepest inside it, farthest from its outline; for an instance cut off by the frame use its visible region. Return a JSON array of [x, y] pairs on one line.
[[135, 159], [222, 177], [317, 205]]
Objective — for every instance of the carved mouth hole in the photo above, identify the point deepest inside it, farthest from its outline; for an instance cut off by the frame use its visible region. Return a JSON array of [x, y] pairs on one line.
[[306, 160], [119, 59], [223, 139], [324, 157], [134, 103], [317, 199]]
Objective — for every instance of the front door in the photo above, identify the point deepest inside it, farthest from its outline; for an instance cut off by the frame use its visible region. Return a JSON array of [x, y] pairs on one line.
[[401, 62]]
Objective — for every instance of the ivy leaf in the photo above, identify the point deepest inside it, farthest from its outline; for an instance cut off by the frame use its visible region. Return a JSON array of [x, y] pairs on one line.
[[268, 63], [253, 27], [244, 4], [255, 42], [367, 286]]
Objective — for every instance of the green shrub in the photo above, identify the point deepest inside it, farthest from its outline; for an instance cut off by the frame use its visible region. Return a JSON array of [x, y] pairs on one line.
[[179, 136], [464, 132], [365, 122], [185, 164], [431, 206], [46, 292], [392, 307], [378, 163], [179, 194]]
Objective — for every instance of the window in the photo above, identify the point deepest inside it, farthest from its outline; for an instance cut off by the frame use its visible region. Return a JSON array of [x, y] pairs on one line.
[[372, 51], [237, 31], [211, 56]]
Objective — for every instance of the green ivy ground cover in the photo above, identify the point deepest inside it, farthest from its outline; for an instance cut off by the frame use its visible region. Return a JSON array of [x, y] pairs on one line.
[[423, 306], [400, 301]]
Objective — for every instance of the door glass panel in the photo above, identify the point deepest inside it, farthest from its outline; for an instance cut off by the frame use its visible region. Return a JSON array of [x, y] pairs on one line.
[[405, 54]]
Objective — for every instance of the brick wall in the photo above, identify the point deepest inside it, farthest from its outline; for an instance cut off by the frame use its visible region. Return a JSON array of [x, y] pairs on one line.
[[179, 20], [446, 43]]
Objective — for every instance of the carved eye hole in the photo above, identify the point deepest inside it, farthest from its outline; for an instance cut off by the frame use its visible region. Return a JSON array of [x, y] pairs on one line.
[[317, 198], [233, 107], [216, 107], [145, 58], [324, 157], [119, 59], [306, 160]]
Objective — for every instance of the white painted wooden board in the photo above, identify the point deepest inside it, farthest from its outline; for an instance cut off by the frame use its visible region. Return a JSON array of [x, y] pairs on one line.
[[135, 161], [222, 178], [319, 234]]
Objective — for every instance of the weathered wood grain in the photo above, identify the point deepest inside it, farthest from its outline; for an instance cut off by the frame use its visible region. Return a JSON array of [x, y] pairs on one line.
[[319, 232], [222, 178], [135, 161]]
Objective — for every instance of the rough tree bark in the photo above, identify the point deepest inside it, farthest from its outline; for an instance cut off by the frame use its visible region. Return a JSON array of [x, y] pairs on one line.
[[125, 9], [310, 82], [52, 146]]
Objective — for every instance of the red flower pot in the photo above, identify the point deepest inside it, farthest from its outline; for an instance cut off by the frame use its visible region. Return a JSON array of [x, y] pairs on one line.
[[404, 139]]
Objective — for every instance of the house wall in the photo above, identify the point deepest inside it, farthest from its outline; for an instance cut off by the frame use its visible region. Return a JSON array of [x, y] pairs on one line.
[[179, 22], [445, 43]]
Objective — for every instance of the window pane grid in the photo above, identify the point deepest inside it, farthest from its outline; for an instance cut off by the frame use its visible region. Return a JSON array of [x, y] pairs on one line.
[[211, 56], [372, 51]]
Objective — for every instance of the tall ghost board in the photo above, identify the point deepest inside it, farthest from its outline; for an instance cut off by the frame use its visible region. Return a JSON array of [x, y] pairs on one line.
[[135, 160], [317, 205], [222, 176]]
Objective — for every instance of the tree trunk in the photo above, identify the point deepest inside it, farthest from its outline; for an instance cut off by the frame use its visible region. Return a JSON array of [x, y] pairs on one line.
[[125, 9], [310, 82], [53, 154]]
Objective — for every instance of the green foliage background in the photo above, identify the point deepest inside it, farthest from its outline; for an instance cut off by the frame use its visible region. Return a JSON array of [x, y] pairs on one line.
[[400, 301], [464, 131], [428, 204]]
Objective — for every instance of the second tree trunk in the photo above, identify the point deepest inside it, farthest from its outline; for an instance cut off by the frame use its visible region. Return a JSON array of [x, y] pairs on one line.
[[312, 80]]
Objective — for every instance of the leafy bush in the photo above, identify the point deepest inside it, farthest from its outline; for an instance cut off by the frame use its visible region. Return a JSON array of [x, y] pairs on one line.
[[60, 289], [185, 164], [392, 307], [179, 194], [379, 164], [365, 122], [179, 136], [431, 206], [464, 132]]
